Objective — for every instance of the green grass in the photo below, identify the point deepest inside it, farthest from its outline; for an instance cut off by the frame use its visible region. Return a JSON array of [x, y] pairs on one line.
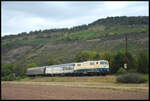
[[110, 31], [127, 29], [102, 79], [80, 35], [108, 79], [120, 89], [24, 79]]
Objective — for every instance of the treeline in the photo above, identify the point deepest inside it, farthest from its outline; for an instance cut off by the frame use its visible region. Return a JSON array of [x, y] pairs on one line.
[[109, 21], [122, 20], [136, 64]]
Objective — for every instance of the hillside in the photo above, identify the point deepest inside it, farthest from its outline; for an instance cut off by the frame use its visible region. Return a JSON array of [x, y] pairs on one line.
[[63, 44]]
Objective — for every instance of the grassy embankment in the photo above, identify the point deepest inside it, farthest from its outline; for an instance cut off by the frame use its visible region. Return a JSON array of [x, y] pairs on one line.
[[106, 80]]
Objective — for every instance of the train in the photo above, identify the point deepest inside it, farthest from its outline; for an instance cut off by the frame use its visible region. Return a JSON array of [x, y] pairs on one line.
[[78, 68]]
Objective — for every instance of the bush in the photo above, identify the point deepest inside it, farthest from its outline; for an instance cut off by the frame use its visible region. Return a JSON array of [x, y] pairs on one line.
[[121, 71], [131, 78], [9, 77], [143, 63], [132, 71], [146, 77], [117, 62], [18, 78]]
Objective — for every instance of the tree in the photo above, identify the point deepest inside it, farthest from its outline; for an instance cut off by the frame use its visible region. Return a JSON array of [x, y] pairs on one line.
[[142, 61], [20, 69], [119, 59], [7, 69], [107, 56], [87, 55], [31, 65], [8, 72], [82, 56], [131, 62], [117, 62], [52, 62], [94, 56]]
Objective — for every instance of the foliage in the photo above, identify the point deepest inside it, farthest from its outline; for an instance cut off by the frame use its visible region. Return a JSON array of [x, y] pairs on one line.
[[86, 55], [132, 71], [122, 20], [146, 77], [11, 72], [9, 77], [117, 62], [31, 65], [143, 63], [131, 62], [120, 59], [94, 55], [131, 78], [82, 56], [7, 69], [52, 62], [121, 70]]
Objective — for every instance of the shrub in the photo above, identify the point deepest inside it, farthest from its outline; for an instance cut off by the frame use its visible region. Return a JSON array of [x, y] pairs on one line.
[[9, 77], [131, 78], [146, 77], [121, 70], [132, 71]]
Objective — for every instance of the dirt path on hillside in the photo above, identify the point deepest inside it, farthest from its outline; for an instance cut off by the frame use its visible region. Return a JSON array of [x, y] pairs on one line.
[[28, 91]]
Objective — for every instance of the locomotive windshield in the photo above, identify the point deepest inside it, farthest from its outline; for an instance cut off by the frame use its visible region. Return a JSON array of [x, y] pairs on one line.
[[103, 63]]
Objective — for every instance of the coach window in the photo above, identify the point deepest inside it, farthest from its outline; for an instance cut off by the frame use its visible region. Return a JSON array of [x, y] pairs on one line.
[[78, 64], [91, 63], [102, 63]]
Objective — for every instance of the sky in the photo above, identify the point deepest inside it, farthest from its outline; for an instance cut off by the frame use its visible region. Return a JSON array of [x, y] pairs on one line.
[[26, 16]]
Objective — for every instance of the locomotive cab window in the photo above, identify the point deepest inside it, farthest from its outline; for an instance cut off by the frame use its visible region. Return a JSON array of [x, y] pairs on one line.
[[103, 63]]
